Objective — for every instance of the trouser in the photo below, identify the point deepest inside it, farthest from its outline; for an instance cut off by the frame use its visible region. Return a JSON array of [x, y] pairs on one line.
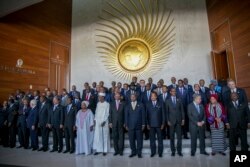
[[135, 134], [153, 132], [33, 138], [233, 136], [23, 136], [185, 128], [118, 138], [57, 138], [176, 128], [12, 136], [194, 133], [45, 136], [69, 138], [4, 135]]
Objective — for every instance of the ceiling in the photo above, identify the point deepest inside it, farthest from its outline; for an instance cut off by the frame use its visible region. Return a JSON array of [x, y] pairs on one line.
[[10, 6]]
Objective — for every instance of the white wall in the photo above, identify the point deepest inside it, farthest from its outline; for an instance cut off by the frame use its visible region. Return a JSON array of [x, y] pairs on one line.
[[190, 57]]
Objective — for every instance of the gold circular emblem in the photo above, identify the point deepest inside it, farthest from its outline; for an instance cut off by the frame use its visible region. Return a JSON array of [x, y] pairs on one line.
[[133, 55]]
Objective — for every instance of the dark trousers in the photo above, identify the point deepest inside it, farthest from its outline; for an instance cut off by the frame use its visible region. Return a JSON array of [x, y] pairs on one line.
[[135, 134], [185, 128], [23, 136], [196, 132], [176, 128], [118, 138], [45, 136], [57, 138], [33, 138], [146, 133], [233, 136], [69, 138], [4, 136], [153, 132], [12, 136]]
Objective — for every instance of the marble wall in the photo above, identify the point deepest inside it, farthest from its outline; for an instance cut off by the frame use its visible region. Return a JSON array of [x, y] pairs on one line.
[[190, 57]]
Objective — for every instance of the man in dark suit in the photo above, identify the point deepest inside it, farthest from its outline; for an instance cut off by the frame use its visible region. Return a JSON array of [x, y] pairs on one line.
[[12, 122], [175, 119], [152, 85], [198, 91], [88, 96], [203, 88], [23, 133], [43, 115], [56, 121], [155, 123], [134, 80], [173, 84], [141, 90], [135, 124], [125, 92], [32, 124], [182, 94], [132, 90], [238, 120], [113, 85], [116, 122], [69, 123], [3, 124], [77, 102], [74, 92], [146, 96], [242, 97], [197, 120]]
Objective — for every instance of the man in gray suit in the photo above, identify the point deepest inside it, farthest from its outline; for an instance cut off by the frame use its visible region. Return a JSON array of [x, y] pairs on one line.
[[175, 119], [197, 119], [116, 122], [69, 123]]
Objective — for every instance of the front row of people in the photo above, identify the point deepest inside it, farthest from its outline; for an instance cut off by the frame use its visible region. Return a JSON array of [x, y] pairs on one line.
[[92, 131]]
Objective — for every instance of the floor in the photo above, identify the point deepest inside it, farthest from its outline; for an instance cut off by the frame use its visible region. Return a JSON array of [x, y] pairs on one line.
[[21, 157]]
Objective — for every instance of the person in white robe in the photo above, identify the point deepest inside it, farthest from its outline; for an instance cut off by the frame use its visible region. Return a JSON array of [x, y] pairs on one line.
[[101, 134], [84, 129]]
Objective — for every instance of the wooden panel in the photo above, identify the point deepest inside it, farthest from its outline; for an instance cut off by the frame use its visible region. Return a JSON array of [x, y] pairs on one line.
[[221, 37], [27, 35], [238, 17]]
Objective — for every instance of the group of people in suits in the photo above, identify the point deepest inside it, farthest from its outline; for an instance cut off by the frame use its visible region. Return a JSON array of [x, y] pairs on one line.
[[156, 111]]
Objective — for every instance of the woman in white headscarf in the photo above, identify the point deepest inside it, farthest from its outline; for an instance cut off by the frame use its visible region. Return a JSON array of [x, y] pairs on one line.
[[84, 125]]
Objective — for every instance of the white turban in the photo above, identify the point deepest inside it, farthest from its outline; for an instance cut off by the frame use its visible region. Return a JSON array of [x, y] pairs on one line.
[[101, 94], [86, 103]]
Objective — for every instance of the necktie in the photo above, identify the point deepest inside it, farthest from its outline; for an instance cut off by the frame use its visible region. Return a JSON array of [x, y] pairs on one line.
[[164, 96], [54, 108], [68, 108], [117, 105], [148, 95], [174, 100], [235, 105], [198, 108], [133, 105]]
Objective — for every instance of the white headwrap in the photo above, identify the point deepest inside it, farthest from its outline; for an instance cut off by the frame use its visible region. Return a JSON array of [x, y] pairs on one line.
[[101, 94], [86, 103]]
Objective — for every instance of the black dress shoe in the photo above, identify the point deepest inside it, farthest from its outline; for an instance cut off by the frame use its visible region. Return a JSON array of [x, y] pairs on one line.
[[40, 149], [205, 153], [60, 150], [34, 149], [52, 150], [72, 151], [180, 154], [152, 155], [173, 154], [45, 149], [121, 154], [160, 155], [131, 155], [104, 154], [96, 153], [185, 137], [192, 154], [139, 156], [66, 151], [115, 154], [222, 153], [19, 147]]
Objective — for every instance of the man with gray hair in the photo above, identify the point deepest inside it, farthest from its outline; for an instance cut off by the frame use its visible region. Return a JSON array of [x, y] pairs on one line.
[[197, 119], [32, 124]]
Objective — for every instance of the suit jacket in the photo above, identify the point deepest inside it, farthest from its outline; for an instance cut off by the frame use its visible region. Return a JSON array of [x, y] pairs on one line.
[[241, 93], [32, 118], [116, 117], [184, 97], [74, 93], [155, 115], [56, 117], [174, 113], [194, 116], [172, 86], [145, 98], [43, 114], [3, 116], [135, 119], [129, 94], [70, 116], [22, 116], [161, 100], [141, 93], [239, 115], [206, 90], [203, 98], [77, 104], [13, 114], [153, 86]]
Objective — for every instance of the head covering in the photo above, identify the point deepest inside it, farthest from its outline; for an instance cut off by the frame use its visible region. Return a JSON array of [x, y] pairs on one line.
[[101, 94], [214, 96], [86, 103]]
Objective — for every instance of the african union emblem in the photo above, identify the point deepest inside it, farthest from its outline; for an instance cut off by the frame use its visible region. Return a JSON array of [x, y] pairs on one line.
[[135, 37]]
